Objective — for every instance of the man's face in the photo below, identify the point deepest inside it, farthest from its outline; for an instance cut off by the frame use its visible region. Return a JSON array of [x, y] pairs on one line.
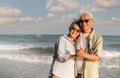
[[86, 22]]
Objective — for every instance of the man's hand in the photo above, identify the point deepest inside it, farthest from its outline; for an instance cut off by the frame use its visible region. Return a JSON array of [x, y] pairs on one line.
[[80, 52]]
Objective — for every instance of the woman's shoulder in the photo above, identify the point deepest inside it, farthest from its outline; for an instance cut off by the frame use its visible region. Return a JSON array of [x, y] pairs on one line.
[[63, 37]]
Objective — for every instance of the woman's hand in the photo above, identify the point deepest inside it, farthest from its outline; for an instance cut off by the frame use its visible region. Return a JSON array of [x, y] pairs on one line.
[[72, 57]]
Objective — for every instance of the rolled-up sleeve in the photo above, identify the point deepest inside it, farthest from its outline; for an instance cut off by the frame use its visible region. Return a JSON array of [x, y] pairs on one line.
[[96, 45], [99, 46], [62, 53]]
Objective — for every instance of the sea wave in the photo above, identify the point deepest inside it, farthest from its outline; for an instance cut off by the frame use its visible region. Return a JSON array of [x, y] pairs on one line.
[[109, 60], [27, 58], [110, 54], [12, 47], [47, 59], [110, 66]]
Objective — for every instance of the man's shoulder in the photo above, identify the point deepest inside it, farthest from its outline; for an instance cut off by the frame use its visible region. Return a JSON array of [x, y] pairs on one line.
[[95, 34]]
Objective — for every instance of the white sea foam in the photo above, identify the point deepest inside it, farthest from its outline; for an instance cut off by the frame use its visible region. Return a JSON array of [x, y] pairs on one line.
[[110, 54], [15, 47], [48, 60], [27, 58], [110, 59], [110, 66]]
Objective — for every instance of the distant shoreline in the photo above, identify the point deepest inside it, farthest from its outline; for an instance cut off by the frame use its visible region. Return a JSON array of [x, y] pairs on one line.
[[48, 34]]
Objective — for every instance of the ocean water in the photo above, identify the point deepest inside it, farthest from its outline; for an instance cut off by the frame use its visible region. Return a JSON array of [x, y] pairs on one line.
[[30, 56]]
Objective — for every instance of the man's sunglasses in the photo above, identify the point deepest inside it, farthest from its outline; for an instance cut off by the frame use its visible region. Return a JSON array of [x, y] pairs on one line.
[[86, 21]]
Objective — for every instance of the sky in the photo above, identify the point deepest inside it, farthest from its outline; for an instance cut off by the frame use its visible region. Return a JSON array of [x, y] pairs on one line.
[[55, 16]]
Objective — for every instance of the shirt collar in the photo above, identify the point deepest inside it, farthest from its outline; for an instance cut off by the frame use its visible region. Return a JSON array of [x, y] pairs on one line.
[[91, 35], [68, 39]]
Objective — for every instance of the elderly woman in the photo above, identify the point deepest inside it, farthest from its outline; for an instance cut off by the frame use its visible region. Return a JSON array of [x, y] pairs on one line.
[[63, 59]]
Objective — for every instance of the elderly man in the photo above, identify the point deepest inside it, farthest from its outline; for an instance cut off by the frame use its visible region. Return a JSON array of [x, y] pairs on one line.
[[89, 48]]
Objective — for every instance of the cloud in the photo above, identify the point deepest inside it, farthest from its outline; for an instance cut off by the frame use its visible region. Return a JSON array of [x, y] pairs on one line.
[[12, 25], [69, 17], [94, 6], [113, 20], [68, 4], [106, 22], [61, 5], [100, 5], [57, 8], [93, 9], [51, 7], [49, 3], [20, 19], [10, 14], [7, 19], [9, 11], [107, 3], [50, 15], [29, 19]]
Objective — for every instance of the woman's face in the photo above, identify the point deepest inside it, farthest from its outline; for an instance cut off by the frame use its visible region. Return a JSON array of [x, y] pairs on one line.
[[74, 31]]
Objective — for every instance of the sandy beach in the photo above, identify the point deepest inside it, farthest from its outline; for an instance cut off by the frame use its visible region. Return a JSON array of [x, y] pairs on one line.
[[16, 69]]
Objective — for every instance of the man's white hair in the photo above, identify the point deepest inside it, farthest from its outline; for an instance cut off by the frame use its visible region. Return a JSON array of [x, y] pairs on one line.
[[85, 12]]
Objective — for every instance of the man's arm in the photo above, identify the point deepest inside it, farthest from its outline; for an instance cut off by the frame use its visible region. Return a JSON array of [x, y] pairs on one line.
[[91, 57]]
